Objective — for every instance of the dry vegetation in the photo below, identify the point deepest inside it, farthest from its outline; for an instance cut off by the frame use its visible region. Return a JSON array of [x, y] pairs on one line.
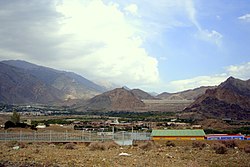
[[163, 153]]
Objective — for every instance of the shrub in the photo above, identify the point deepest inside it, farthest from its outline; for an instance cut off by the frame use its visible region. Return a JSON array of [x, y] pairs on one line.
[[22, 145], [198, 144], [97, 146], [229, 143], [247, 149], [147, 146], [111, 145], [170, 144], [11, 144], [220, 148], [69, 146], [9, 124], [87, 144]]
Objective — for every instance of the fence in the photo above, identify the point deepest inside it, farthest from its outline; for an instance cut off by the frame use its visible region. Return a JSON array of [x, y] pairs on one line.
[[72, 136]]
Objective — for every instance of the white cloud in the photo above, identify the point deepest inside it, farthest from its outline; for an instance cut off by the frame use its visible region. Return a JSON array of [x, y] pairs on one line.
[[210, 36], [245, 17], [116, 54], [181, 85], [238, 71], [95, 39], [132, 9]]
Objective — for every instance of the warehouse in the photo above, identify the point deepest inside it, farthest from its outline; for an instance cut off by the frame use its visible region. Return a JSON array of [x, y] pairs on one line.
[[187, 134]]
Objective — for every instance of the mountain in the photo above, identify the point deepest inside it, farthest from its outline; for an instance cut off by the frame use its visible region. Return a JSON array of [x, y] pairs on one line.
[[191, 94], [118, 99], [71, 85], [231, 99], [142, 94], [17, 86]]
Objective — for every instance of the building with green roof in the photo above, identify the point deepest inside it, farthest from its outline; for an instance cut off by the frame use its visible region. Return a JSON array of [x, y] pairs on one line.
[[186, 134]]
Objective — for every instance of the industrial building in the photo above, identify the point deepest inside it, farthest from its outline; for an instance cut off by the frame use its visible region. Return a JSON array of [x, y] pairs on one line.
[[225, 137], [187, 134]]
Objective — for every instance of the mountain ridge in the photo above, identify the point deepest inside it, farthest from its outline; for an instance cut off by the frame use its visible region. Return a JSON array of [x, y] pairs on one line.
[[71, 84], [231, 99], [119, 99]]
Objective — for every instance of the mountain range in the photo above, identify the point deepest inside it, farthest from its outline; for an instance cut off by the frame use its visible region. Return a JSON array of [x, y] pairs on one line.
[[23, 82], [26, 83], [231, 99], [191, 94]]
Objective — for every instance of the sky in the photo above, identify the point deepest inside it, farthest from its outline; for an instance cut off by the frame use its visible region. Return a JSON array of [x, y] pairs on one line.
[[158, 46]]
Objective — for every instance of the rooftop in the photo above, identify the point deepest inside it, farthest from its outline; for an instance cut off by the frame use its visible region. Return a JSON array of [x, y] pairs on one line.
[[186, 132]]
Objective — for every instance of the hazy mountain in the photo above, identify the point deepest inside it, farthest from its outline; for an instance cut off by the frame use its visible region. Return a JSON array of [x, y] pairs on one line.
[[17, 86], [191, 94], [142, 94], [71, 85], [164, 95], [231, 99], [118, 99]]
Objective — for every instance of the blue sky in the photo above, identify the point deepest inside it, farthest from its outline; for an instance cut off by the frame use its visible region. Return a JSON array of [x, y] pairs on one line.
[[163, 45]]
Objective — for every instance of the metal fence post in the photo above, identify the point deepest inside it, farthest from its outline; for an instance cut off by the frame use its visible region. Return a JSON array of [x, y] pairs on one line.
[[35, 136], [50, 135], [66, 135], [20, 136], [5, 136], [122, 137]]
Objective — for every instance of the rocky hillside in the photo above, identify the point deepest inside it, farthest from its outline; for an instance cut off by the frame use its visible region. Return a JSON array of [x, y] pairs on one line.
[[71, 85], [231, 99], [118, 99], [191, 94], [17, 86], [142, 94]]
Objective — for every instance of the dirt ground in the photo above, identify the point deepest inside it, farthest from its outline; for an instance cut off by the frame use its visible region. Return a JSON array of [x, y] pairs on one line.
[[143, 154]]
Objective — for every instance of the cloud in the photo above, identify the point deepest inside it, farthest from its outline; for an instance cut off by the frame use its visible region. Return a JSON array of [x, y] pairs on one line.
[[210, 36], [245, 17], [203, 34], [181, 85], [132, 9], [92, 38], [241, 71]]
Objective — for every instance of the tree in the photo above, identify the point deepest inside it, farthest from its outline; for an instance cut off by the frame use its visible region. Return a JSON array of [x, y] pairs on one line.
[[15, 118]]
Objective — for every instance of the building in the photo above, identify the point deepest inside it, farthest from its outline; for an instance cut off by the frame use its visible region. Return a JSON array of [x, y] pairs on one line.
[[225, 137], [247, 137], [187, 134]]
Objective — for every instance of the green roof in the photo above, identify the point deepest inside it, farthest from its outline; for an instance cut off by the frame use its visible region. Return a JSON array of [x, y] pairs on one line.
[[187, 132]]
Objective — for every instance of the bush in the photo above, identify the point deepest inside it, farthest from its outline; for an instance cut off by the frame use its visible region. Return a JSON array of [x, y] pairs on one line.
[[170, 144], [220, 148], [9, 124], [229, 143], [97, 146], [111, 145], [11, 144], [198, 144], [247, 149], [70, 146], [22, 145], [87, 144], [147, 146]]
